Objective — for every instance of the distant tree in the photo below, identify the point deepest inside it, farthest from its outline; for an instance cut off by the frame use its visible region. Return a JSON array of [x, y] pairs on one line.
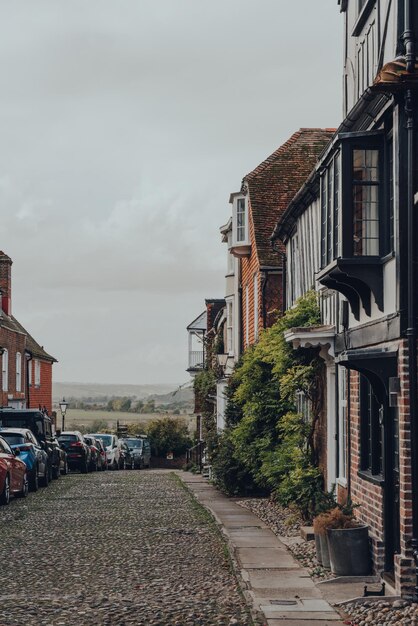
[[169, 434], [98, 426], [125, 404]]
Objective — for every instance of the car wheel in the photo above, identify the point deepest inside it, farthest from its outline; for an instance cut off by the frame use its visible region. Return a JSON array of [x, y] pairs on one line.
[[25, 487], [56, 473], [65, 469], [5, 495], [84, 468], [34, 483]]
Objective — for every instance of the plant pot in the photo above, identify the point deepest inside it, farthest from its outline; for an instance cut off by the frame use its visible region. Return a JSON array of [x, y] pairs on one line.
[[349, 551], [318, 549], [324, 551]]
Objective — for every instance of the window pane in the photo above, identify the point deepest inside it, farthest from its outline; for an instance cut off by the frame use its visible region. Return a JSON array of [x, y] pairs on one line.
[[366, 220], [336, 206], [324, 189], [241, 219], [366, 166]]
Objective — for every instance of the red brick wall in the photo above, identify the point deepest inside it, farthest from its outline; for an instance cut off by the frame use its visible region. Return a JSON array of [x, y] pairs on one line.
[[249, 267], [13, 342], [41, 395]]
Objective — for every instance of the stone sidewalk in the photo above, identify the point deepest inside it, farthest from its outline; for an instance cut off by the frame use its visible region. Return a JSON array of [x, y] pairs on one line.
[[278, 589]]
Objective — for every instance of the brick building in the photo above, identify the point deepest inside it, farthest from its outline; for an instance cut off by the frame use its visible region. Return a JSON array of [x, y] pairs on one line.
[[26, 376], [264, 195]]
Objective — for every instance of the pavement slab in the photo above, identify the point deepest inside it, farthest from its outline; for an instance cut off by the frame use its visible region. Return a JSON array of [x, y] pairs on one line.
[[281, 592]]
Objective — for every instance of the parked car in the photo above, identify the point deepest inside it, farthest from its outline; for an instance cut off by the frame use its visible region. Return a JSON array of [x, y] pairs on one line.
[[102, 455], [31, 453], [112, 447], [140, 449], [41, 426], [94, 452], [63, 462], [127, 456], [13, 474], [78, 452]]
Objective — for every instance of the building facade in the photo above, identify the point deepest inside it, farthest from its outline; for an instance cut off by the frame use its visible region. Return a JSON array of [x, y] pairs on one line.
[[350, 234]]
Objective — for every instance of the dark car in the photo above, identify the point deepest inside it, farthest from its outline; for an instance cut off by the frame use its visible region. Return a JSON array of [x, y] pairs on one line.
[[78, 452], [94, 453], [24, 442], [63, 462], [41, 426], [127, 457]]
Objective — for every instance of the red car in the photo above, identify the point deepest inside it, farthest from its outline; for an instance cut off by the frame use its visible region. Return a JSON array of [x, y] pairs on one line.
[[13, 474]]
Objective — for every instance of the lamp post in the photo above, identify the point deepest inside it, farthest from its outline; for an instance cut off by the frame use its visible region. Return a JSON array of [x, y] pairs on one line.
[[63, 408]]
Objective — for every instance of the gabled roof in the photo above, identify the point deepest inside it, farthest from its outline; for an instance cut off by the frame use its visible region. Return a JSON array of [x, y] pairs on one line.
[[199, 323], [32, 346], [273, 184]]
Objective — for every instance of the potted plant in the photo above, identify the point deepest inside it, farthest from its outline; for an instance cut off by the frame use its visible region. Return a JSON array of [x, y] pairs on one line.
[[320, 525], [348, 542]]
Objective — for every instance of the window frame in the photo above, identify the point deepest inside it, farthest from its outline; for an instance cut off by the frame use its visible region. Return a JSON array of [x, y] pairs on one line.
[[241, 198], [37, 376], [371, 432], [5, 370], [18, 372]]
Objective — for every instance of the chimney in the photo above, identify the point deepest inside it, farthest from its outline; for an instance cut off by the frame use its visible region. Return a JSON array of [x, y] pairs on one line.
[[6, 283]]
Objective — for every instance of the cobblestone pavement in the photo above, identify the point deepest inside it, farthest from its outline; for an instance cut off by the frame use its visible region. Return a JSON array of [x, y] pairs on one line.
[[115, 548]]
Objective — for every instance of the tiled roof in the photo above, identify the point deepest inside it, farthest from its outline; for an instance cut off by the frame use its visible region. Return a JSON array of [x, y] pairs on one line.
[[32, 346], [274, 182]]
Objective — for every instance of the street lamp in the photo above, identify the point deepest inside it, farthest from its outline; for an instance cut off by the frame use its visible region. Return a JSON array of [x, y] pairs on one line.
[[63, 408]]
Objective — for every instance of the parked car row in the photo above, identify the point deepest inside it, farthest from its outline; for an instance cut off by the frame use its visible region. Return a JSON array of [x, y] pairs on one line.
[[31, 455]]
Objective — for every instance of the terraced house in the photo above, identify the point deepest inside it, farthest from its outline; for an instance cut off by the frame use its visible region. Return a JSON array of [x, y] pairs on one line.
[[350, 233]]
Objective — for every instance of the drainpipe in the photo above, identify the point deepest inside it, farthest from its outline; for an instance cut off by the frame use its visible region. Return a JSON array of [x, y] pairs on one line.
[[29, 358], [411, 332]]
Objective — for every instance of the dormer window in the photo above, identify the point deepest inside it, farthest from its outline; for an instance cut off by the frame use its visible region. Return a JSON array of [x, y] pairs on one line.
[[240, 235]]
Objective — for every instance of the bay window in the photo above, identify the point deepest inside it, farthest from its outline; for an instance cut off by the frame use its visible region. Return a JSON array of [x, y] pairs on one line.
[[240, 235], [37, 373], [357, 217]]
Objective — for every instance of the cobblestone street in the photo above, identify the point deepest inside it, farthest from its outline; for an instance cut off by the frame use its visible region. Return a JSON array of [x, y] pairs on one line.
[[115, 548]]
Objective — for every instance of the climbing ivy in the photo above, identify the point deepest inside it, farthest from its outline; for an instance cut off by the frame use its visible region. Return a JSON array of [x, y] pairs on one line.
[[265, 437]]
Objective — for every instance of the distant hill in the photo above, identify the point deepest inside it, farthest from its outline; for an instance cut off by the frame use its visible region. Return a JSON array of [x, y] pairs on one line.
[[97, 390]]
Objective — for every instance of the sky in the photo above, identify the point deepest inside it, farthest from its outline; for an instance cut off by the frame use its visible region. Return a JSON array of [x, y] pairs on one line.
[[124, 126]]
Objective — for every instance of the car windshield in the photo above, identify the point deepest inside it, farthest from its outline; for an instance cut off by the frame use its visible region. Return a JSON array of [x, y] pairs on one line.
[[67, 438], [13, 438], [107, 439], [134, 443]]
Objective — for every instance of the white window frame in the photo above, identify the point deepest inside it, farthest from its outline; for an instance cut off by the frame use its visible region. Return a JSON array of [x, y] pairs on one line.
[[342, 426], [256, 311], [18, 372], [29, 366], [37, 373], [230, 327], [5, 370], [238, 200]]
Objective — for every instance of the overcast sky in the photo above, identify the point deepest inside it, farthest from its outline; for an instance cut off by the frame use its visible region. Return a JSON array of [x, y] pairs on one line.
[[124, 126]]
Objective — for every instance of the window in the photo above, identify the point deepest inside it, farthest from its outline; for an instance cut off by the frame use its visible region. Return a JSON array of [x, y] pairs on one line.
[[303, 406], [370, 430], [355, 180], [18, 371], [330, 211], [241, 225], [5, 370], [30, 372], [255, 306], [366, 181], [37, 372], [229, 328]]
